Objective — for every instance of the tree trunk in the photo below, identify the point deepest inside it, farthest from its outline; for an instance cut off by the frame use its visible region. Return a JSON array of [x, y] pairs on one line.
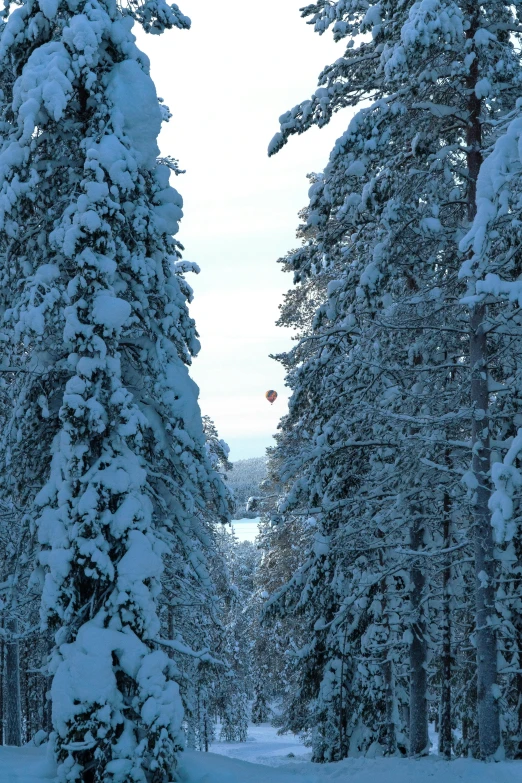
[[518, 748], [205, 728], [13, 727], [191, 734], [47, 707], [389, 691], [405, 714], [517, 751], [419, 741], [445, 733], [2, 691], [28, 722], [487, 705]]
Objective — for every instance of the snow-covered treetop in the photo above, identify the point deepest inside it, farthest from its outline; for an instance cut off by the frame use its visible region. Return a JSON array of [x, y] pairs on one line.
[[394, 46], [155, 16]]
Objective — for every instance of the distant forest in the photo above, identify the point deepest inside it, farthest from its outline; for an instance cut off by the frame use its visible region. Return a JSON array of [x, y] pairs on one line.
[[244, 480]]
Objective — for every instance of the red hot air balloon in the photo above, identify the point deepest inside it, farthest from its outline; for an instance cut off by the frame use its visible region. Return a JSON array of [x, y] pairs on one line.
[[271, 396]]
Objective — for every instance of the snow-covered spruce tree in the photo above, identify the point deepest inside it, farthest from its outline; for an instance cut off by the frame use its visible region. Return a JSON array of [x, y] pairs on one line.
[[440, 71], [105, 448]]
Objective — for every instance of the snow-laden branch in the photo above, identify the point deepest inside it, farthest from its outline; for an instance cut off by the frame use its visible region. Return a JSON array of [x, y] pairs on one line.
[[431, 552], [181, 647], [506, 479]]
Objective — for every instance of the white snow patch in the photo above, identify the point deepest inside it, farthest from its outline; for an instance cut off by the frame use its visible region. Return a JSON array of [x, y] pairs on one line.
[[265, 748], [136, 108], [110, 312], [26, 765], [206, 767], [246, 529]]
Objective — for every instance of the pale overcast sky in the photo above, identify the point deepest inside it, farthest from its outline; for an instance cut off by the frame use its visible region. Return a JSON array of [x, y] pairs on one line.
[[226, 82]]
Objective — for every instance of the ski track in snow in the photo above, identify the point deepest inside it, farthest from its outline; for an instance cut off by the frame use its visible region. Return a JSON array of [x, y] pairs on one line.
[[264, 759]]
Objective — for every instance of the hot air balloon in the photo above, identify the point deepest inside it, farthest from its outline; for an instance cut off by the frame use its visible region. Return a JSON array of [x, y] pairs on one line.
[[271, 396]]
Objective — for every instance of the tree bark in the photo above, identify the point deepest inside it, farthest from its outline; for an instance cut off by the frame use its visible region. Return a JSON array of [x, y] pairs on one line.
[[28, 690], [445, 733], [419, 741], [13, 727], [2, 691], [518, 749], [487, 705], [205, 727], [389, 690], [47, 707]]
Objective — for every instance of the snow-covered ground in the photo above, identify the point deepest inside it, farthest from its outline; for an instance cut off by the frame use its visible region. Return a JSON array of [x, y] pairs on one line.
[[247, 763], [25, 765], [263, 746], [212, 768]]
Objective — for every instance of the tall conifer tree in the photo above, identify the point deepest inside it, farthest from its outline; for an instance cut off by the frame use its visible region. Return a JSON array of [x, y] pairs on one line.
[[397, 196], [105, 449]]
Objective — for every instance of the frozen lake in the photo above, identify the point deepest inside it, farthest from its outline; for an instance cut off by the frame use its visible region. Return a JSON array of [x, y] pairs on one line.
[[245, 529]]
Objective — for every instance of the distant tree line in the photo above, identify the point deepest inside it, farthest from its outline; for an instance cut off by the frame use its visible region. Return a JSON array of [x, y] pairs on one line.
[[244, 480]]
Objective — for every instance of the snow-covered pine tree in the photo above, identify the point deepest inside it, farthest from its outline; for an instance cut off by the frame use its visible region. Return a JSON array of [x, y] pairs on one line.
[[105, 450], [323, 461], [13, 705], [217, 449], [440, 73], [375, 383], [355, 397], [493, 270]]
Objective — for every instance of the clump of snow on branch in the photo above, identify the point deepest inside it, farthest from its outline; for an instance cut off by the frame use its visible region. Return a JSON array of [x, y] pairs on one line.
[[506, 479]]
